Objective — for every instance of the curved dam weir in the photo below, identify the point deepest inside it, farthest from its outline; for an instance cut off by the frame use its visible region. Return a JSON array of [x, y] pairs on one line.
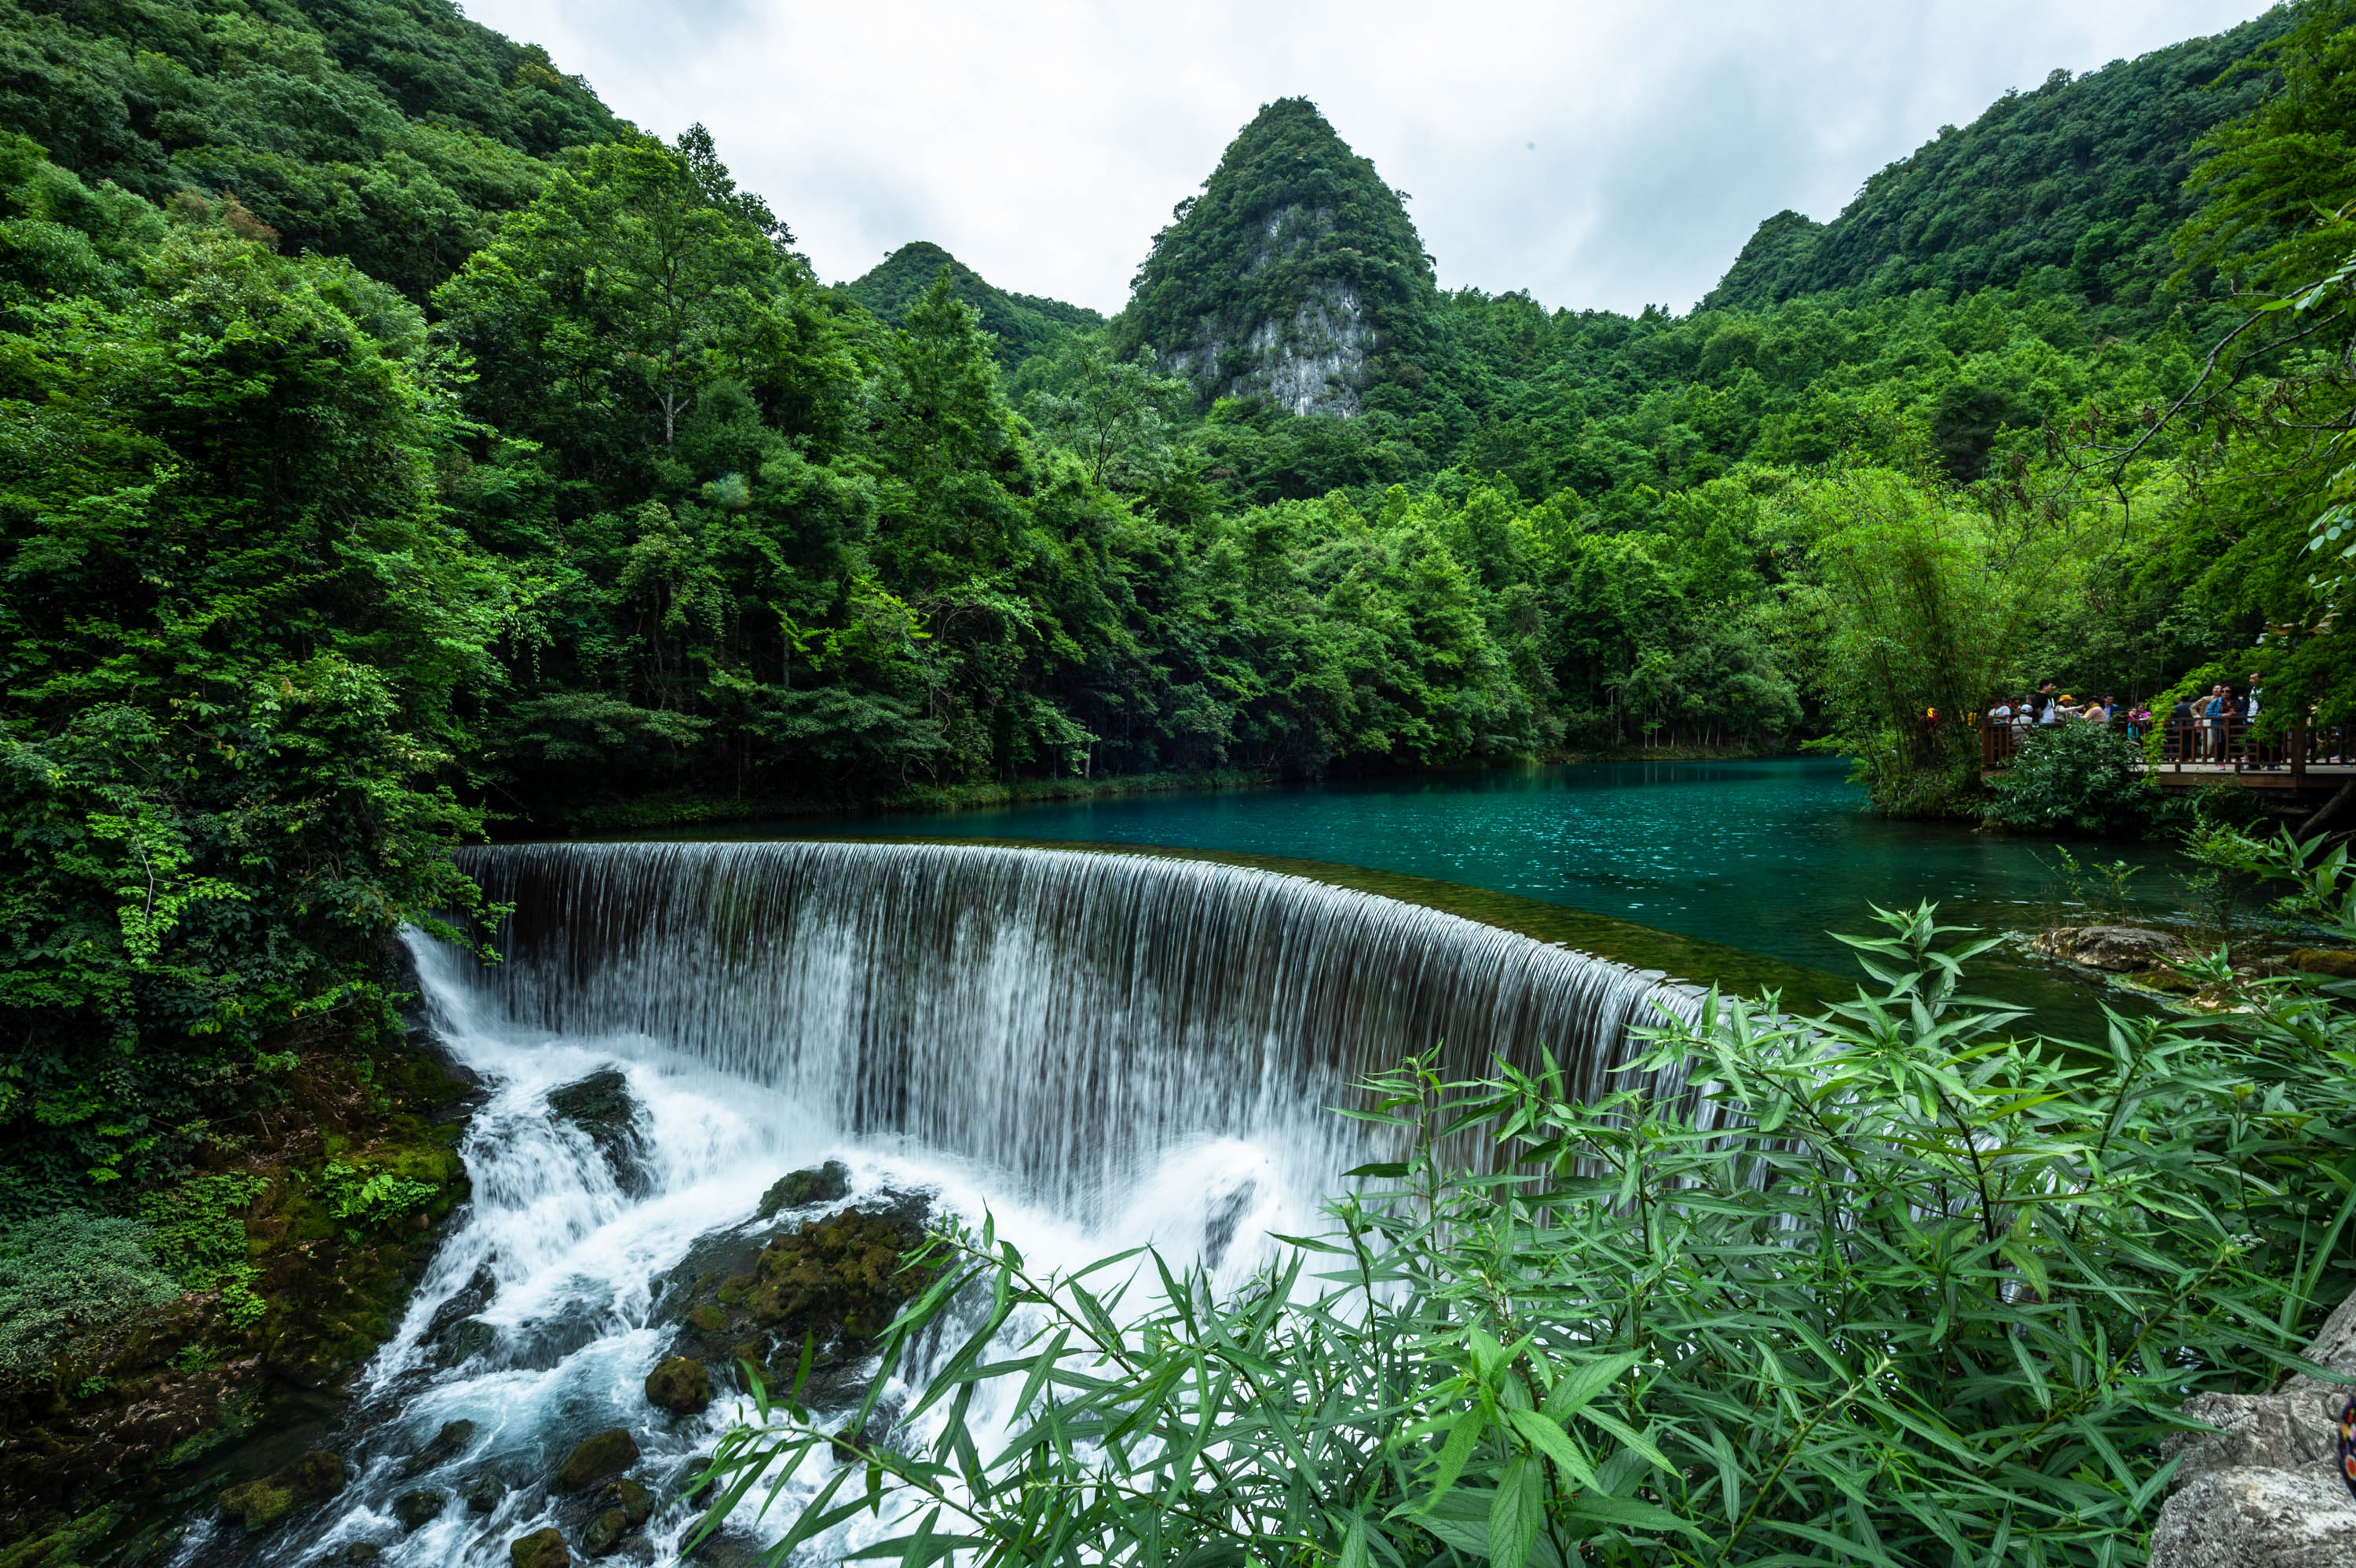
[[1097, 1050]]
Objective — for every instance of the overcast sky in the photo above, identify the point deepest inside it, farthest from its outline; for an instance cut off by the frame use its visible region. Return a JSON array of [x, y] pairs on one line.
[[1610, 153]]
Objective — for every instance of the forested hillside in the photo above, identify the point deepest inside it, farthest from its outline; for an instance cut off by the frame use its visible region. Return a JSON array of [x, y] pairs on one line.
[[399, 447], [1022, 324], [2085, 176], [389, 132]]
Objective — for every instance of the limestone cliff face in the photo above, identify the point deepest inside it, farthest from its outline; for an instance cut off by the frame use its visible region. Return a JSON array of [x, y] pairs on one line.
[[1295, 278]]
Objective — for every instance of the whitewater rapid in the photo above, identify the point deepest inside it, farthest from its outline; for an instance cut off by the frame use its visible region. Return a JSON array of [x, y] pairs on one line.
[[1097, 1051]]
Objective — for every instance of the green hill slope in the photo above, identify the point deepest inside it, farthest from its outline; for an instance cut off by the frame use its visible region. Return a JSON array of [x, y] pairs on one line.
[[387, 130], [2082, 175], [1023, 324]]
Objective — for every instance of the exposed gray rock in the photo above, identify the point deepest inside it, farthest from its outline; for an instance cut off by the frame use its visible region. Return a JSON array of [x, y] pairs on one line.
[[1310, 361], [2263, 1491], [2116, 947], [2245, 1516]]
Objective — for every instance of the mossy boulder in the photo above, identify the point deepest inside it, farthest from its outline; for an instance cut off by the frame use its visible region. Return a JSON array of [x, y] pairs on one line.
[[619, 1508], [2340, 963], [483, 1493], [679, 1384], [312, 1478], [595, 1458], [415, 1510], [826, 1183], [708, 1318], [841, 1273], [540, 1549]]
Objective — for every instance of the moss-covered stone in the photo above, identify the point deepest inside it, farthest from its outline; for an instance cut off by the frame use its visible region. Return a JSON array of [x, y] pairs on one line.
[[483, 1493], [2169, 982], [313, 1477], [619, 1508], [2340, 963], [820, 1184], [679, 1384], [415, 1510], [595, 1458], [540, 1549], [199, 1393], [707, 1319], [841, 1273]]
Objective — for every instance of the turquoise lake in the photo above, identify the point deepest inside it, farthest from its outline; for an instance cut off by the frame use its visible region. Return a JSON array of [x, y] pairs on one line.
[[1768, 855]]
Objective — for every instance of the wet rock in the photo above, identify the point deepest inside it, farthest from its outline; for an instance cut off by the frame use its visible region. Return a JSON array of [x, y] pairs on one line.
[[595, 1459], [2119, 948], [619, 1508], [2340, 963], [455, 1438], [601, 1106], [353, 1555], [540, 1549], [311, 1478], [826, 1183], [842, 1272], [680, 1385], [455, 1332], [415, 1510], [483, 1494], [723, 1547], [708, 1318]]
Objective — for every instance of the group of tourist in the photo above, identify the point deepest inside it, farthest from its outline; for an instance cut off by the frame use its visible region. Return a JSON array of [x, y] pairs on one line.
[[2200, 725], [2046, 707]]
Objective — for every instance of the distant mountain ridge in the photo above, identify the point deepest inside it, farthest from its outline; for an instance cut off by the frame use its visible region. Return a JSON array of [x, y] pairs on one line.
[[1023, 324], [2084, 175]]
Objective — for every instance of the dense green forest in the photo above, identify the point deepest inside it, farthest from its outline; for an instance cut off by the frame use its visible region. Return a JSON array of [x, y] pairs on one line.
[[398, 446]]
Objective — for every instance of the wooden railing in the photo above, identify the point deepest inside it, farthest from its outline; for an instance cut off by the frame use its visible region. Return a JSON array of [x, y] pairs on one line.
[[2227, 745]]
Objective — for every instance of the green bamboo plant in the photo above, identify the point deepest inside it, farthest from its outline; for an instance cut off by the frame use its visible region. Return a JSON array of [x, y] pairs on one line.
[[1900, 1287]]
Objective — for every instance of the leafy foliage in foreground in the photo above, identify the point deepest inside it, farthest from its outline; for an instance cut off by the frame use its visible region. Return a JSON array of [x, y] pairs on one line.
[[1895, 1289]]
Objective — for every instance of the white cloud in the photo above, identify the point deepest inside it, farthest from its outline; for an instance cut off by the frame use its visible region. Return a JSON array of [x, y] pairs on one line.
[[1601, 154]]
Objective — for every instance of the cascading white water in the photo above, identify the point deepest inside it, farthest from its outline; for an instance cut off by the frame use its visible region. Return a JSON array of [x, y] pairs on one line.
[[1103, 1049], [1061, 1015]]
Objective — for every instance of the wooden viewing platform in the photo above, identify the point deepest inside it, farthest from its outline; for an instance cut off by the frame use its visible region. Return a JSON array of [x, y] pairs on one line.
[[2197, 752]]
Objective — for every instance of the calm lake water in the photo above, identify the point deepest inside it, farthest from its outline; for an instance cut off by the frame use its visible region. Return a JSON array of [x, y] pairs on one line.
[[1770, 856]]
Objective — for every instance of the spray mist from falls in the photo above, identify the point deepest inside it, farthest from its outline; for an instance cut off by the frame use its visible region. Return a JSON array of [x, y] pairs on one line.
[[1063, 1016]]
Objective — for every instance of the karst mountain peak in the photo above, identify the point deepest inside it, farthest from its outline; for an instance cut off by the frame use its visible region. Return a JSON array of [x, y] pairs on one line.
[[1296, 276]]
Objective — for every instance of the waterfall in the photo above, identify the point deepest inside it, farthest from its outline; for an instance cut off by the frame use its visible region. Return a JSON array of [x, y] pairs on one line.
[[1064, 1015], [1100, 1051]]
